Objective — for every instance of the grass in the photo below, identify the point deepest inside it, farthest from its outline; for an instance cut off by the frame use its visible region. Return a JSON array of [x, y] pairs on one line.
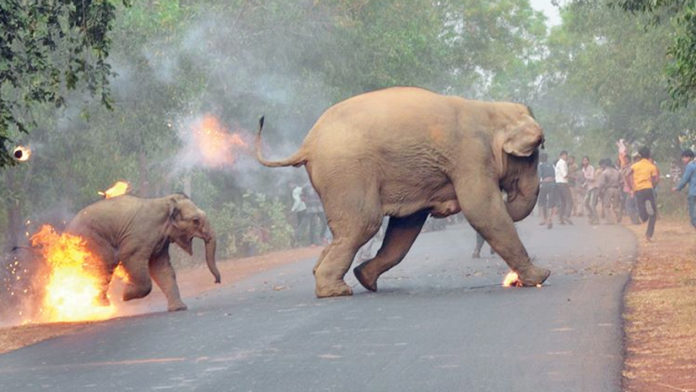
[[660, 311]]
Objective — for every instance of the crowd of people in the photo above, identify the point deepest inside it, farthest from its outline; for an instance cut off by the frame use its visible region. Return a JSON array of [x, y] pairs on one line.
[[610, 191]]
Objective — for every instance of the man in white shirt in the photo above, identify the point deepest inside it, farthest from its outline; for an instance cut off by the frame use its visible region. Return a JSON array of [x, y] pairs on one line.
[[300, 209], [564, 196]]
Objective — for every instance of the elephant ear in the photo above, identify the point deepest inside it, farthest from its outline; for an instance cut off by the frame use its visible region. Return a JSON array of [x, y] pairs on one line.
[[523, 138], [177, 202], [177, 232]]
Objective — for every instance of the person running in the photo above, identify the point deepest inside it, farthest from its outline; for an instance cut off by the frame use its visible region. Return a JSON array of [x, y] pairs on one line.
[[609, 185], [689, 177], [590, 202], [562, 188], [630, 205], [573, 172], [644, 177], [547, 190]]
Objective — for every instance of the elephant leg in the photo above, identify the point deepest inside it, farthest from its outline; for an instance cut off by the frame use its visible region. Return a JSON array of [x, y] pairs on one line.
[[164, 276], [400, 235], [321, 257], [353, 222], [104, 264], [139, 284], [478, 247], [483, 206]]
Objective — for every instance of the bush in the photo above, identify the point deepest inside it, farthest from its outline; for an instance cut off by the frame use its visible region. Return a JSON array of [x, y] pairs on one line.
[[258, 224], [671, 204]]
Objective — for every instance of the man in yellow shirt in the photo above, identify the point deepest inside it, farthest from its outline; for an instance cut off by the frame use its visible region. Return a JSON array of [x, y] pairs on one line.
[[644, 176]]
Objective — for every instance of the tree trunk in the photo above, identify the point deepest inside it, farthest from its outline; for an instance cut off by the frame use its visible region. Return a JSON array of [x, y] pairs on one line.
[[15, 228]]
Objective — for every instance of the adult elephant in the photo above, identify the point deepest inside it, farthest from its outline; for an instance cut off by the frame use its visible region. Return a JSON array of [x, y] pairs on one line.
[[406, 153], [137, 232]]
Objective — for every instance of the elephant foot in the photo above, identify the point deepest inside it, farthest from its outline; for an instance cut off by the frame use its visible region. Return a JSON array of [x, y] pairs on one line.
[[175, 307], [367, 282], [135, 292], [335, 290], [533, 275]]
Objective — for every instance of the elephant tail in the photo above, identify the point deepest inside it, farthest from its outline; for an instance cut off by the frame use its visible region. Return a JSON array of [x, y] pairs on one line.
[[297, 159]]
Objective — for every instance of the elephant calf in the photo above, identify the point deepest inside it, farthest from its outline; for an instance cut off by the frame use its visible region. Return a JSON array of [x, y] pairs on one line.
[[137, 232], [406, 153]]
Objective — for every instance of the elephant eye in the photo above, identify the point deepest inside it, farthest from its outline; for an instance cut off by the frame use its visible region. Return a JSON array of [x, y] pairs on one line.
[[196, 221]]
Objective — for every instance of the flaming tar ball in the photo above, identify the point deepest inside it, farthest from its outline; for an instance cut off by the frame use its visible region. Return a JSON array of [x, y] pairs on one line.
[[21, 153]]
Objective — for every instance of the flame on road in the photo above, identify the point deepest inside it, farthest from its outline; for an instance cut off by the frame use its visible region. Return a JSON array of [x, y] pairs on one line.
[[73, 283], [119, 188], [21, 153], [217, 146], [512, 280]]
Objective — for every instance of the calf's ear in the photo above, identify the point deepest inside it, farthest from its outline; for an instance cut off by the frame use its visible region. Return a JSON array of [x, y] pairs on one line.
[[174, 211]]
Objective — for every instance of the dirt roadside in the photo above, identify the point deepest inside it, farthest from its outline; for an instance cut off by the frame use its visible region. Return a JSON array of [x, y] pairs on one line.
[[660, 311], [192, 281]]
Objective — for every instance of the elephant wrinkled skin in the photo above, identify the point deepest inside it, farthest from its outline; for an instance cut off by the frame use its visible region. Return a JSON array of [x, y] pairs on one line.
[[137, 232], [406, 153]]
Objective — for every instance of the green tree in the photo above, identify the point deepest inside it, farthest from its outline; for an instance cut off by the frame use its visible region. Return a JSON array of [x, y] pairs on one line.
[[680, 15], [46, 48], [604, 81]]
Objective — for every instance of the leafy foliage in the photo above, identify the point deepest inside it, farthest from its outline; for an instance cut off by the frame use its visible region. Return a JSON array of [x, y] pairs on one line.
[[682, 50], [257, 224], [603, 80], [46, 48]]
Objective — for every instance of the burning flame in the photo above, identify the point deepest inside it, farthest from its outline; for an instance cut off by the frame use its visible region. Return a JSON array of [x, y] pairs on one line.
[[119, 188], [73, 284], [21, 153], [512, 280], [215, 143], [120, 273]]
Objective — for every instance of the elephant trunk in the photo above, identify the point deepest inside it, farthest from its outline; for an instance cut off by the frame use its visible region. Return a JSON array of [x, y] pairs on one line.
[[210, 258], [521, 183], [210, 244]]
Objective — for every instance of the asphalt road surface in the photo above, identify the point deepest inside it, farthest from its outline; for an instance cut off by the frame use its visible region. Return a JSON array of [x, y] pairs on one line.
[[440, 322]]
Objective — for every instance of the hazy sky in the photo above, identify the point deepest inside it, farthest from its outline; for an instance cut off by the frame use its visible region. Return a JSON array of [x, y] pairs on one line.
[[551, 12]]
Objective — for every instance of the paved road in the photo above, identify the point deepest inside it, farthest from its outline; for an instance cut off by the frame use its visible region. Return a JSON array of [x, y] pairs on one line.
[[440, 322]]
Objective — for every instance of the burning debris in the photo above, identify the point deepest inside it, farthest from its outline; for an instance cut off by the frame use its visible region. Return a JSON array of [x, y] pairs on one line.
[[215, 146], [119, 188], [72, 287], [16, 285], [513, 280], [120, 273], [21, 153]]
